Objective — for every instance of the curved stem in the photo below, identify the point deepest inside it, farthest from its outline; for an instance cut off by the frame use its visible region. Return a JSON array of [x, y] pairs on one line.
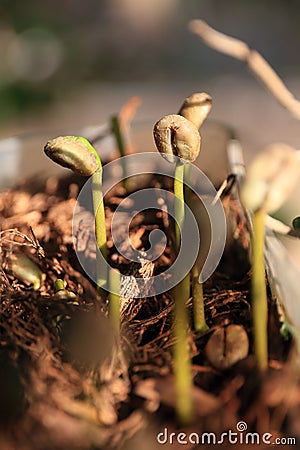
[[259, 291], [181, 292]]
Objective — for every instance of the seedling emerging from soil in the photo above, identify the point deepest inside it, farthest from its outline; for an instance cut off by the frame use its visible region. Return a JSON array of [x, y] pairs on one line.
[[176, 136], [61, 291], [77, 154], [196, 108], [26, 270], [270, 179]]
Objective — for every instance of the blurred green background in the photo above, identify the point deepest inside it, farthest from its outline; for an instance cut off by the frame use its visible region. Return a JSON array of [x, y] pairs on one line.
[[51, 48]]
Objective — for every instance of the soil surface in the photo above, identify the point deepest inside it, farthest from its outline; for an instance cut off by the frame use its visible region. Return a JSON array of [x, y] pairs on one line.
[[67, 383]]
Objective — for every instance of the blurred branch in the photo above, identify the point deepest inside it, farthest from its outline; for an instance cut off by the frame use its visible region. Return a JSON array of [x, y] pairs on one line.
[[256, 63]]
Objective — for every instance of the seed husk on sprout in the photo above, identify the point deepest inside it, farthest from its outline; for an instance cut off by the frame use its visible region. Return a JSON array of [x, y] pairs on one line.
[[196, 108], [78, 154], [26, 270], [176, 136], [74, 153]]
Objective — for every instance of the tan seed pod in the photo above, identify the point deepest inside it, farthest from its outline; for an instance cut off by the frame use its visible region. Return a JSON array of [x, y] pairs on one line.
[[227, 346], [174, 135], [63, 294], [26, 270], [75, 153], [271, 178], [196, 108]]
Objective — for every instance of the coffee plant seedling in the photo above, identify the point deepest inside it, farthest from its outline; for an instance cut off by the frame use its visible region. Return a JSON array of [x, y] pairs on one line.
[[270, 179], [77, 154], [196, 108], [178, 140]]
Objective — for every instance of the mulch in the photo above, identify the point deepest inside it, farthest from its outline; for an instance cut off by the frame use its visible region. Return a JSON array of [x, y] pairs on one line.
[[66, 382]]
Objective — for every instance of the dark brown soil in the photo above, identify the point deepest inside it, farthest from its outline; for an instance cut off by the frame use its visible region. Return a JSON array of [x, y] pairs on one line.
[[64, 381]]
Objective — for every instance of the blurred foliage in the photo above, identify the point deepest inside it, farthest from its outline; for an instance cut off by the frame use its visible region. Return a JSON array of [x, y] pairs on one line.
[[17, 98], [126, 40]]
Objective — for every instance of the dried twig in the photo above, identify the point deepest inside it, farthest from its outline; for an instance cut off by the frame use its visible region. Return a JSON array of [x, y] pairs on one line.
[[256, 63], [128, 111]]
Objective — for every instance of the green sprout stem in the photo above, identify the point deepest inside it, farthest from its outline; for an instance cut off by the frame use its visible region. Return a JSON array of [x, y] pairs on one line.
[[60, 290], [181, 292], [114, 298], [59, 285], [187, 176], [77, 154], [200, 324], [259, 291], [179, 205], [100, 227]]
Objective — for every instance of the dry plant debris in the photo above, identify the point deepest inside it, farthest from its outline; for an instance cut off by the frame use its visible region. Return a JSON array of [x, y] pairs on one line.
[[70, 397]]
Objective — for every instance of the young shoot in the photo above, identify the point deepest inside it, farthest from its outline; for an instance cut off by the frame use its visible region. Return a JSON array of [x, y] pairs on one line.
[[77, 154], [196, 108], [200, 324], [270, 179], [176, 136], [61, 291]]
